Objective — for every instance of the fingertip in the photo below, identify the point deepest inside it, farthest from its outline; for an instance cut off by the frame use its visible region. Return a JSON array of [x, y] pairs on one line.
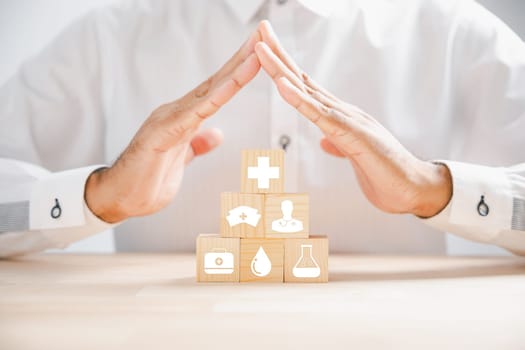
[[217, 135], [252, 60], [266, 29], [206, 141], [254, 38], [260, 47], [285, 82], [248, 69], [286, 88], [329, 148], [264, 24]]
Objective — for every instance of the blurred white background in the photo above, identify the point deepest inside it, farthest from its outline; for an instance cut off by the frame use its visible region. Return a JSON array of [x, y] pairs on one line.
[[27, 25]]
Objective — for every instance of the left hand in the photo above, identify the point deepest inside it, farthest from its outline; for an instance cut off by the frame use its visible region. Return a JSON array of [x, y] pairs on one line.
[[392, 178]]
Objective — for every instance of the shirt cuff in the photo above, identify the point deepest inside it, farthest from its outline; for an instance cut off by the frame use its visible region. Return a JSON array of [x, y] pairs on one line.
[[481, 205], [57, 201]]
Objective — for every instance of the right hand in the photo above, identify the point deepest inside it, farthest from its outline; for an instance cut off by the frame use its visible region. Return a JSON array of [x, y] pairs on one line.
[[391, 177], [147, 175]]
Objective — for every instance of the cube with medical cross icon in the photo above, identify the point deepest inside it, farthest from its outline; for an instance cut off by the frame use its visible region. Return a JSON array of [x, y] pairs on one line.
[[242, 215], [262, 171]]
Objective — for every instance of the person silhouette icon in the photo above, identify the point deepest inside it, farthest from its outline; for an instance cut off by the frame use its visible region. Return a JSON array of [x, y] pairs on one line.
[[287, 224]]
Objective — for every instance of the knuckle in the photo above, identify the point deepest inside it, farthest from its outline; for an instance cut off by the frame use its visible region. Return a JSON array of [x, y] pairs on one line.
[[324, 109], [236, 82], [203, 89]]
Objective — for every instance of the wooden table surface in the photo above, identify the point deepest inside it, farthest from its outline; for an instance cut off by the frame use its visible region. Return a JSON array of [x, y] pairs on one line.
[[127, 301]]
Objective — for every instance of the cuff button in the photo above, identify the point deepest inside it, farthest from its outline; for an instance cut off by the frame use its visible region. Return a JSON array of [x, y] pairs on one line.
[[483, 208], [56, 211]]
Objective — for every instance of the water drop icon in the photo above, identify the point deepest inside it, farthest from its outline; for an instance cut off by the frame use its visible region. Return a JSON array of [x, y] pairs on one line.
[[261, 264]]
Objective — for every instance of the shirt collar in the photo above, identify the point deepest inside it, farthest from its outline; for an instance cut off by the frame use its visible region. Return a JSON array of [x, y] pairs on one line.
[[245, 10]]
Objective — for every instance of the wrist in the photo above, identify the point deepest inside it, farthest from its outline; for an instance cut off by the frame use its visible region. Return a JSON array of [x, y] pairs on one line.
[[99, 197], [434, 192]]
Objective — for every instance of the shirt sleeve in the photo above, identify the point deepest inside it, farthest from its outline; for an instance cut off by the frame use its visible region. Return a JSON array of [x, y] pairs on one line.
[[486, 133], [487, 205], [41, 210], [52, 118]]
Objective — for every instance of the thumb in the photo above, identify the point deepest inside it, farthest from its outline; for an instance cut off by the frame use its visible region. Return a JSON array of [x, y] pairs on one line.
[[330, 148], [204, 142]]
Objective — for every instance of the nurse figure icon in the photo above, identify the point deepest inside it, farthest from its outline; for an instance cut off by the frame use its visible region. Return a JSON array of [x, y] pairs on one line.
[[287, 224]]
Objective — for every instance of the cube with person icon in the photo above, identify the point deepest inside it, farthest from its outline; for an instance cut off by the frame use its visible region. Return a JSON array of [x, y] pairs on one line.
[[286, 215]]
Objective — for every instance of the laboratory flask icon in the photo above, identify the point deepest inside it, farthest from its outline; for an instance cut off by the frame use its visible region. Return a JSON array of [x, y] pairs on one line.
[[306, 266], [261, 264]]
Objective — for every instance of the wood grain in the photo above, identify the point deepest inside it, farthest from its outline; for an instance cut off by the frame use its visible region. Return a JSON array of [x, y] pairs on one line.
[[152, 301]]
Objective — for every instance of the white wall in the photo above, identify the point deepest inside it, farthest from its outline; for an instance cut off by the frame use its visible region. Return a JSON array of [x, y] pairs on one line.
[[27, 25]]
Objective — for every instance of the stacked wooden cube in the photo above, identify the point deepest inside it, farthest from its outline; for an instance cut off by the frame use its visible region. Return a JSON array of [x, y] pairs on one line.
[[264, 232]]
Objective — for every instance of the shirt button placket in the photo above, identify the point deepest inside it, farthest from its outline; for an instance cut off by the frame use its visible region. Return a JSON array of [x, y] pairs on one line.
[[283, 118]]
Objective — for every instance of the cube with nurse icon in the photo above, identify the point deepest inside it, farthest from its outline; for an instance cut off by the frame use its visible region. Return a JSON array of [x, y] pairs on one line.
[[242, 215]]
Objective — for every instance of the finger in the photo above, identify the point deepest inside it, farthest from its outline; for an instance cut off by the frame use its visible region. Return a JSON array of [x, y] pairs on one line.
[[331, 121], [323, 95], [269, 37], [275, 67], [239, 57], [330, 148], [224, 92], [203, 143]]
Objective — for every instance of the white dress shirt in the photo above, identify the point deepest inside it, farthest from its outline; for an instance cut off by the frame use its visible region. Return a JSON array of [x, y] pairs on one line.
[[447, 78]]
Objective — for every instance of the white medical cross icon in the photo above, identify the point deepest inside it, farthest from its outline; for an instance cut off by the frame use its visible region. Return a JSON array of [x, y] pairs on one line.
[[263, 172]]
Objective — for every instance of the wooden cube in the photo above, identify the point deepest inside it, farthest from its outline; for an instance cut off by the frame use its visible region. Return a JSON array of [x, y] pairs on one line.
[[262, 171], [306, 259], [262, 260], [286, 215], [242, 215], [217, 258]]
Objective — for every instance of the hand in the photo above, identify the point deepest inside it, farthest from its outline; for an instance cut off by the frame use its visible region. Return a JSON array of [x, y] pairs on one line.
[[391, 177], [148, 174]]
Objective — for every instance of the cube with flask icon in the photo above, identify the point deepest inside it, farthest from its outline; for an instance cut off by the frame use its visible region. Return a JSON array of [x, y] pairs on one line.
[[306, 259]]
